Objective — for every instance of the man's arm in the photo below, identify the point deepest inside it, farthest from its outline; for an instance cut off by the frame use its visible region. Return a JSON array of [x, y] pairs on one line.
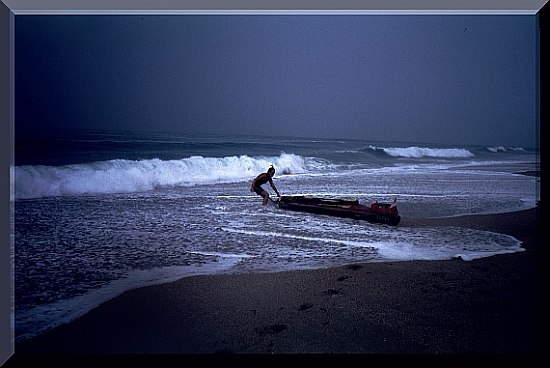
[[273, 186]]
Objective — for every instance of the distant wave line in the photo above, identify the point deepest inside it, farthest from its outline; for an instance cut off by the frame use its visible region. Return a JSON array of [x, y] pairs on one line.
[[497, 149], [419, 152]]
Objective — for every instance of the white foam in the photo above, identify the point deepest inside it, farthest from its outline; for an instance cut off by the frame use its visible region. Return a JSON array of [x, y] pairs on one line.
[[299, 237], [418, 152], [496, 149], [126, 176], [405, 244]]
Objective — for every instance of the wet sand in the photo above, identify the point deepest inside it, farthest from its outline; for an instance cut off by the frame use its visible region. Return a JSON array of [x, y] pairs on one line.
[[488, 305]]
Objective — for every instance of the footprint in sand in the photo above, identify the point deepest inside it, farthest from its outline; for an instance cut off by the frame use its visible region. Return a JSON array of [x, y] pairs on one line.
[[333, 291], [273, 329]]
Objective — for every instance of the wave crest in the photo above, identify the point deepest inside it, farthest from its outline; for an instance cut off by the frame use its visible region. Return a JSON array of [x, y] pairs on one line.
[[497, 149], [419, 152], [126, 176]]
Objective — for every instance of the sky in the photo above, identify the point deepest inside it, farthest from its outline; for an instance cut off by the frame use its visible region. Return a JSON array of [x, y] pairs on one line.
[[465, 79]]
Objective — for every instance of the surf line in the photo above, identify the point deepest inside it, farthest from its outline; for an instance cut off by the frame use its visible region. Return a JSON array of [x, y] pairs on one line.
[[324, 240], [418, 222]]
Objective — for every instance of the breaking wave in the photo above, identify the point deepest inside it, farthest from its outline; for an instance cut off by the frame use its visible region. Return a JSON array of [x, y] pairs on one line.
[[502, 149], [127, 176], [419, 152]]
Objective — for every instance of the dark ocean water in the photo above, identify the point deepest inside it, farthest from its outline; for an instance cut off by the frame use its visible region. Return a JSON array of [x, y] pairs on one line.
[[95, 214]]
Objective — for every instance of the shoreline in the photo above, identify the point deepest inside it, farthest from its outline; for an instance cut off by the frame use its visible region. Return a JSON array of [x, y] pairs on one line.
[[487, 305]]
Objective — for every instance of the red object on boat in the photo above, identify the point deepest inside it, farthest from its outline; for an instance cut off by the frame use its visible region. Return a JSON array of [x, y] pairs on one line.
[[384, 208]]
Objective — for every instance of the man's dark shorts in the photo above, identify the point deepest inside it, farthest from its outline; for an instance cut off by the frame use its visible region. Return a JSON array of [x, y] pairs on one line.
[[258, 189]]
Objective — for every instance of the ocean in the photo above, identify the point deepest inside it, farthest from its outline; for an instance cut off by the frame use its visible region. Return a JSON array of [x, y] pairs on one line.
[[95, 214]]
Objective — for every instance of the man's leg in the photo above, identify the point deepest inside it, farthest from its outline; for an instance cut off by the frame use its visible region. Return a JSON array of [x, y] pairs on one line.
[[265, 196]]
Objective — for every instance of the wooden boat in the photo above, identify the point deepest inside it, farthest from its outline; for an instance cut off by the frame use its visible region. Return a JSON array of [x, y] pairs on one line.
[[384, 213]]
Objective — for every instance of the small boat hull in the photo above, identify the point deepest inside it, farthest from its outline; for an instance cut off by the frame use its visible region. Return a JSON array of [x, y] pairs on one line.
[[383, 213]]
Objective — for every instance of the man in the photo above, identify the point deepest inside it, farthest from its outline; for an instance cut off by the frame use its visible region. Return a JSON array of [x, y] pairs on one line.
[[261, 180]]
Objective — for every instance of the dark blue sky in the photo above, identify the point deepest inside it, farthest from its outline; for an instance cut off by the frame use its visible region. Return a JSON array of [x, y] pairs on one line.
[[422, 78]]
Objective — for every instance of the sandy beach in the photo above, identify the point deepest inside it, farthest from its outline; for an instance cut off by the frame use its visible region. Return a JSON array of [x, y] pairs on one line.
[[488, 305]]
